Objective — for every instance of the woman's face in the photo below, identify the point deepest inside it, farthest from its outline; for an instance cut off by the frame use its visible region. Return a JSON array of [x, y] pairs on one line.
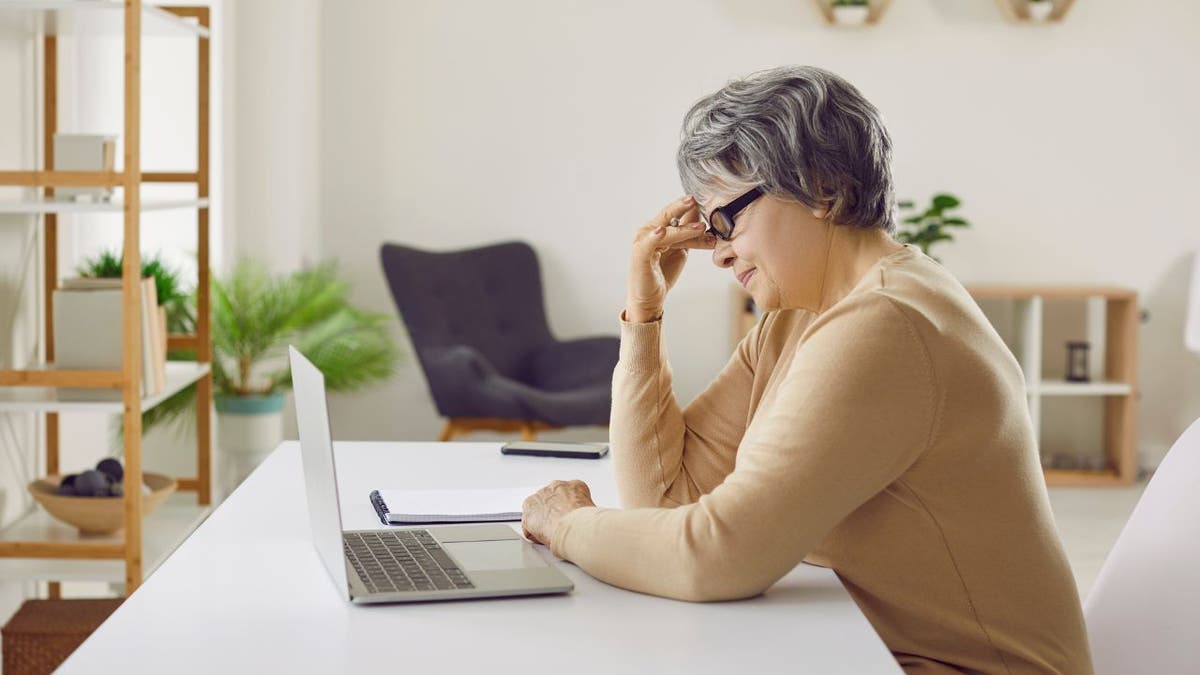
[[778, 250]]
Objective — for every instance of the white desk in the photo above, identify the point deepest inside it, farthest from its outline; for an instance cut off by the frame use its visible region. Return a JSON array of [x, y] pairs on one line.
[[247, 593]]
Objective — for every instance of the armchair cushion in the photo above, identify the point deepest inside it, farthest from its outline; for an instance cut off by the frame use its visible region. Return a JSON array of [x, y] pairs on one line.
[[471, 387]]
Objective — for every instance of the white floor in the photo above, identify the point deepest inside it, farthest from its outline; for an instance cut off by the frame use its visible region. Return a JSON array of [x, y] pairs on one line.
[[1089, 520]]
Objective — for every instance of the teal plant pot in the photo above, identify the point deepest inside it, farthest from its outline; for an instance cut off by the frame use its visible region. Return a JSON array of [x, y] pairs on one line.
[[250, 405], [248, 429]]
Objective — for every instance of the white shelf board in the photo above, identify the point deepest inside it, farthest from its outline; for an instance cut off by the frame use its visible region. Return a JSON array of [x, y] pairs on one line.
[[89, 17], [162, 532], [39, 205], [52, 399], [1065, 388]]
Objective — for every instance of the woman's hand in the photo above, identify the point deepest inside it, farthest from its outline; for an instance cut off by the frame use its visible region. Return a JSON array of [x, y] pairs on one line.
[[659, 252], [542, 510]]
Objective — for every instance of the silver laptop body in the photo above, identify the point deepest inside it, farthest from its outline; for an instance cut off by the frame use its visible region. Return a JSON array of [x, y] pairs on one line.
[[404, 564]]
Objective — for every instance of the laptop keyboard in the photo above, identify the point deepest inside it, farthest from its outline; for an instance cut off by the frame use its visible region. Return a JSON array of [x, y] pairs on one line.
[[392, 561]]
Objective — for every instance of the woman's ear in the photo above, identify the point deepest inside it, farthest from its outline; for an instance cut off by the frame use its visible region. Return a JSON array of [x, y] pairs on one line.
[[820, 212]]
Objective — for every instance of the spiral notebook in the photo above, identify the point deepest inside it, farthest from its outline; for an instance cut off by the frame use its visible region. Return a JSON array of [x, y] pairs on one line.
[[406, 507]]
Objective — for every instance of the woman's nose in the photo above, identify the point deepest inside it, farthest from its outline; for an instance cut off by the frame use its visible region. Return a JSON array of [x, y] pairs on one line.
[[723, 255]]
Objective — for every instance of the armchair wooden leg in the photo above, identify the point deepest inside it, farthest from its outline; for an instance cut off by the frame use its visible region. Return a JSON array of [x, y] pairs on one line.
[[528, 433], [457, 426]]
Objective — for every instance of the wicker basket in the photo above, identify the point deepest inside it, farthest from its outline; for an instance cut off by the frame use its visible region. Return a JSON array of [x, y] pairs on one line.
[[43, 633]]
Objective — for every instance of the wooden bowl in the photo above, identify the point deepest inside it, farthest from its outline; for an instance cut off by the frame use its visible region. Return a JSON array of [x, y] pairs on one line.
[[98, 515]]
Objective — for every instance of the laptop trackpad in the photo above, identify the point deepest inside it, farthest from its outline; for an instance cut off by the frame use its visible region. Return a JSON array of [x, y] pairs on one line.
[[494, 555]]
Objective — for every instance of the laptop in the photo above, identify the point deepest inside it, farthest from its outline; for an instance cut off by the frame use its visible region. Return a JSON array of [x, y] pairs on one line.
[[404, 564]]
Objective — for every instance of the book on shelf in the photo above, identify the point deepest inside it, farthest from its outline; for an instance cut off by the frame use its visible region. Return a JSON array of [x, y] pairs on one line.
[[88, 333], [154, 355], [84, 152]]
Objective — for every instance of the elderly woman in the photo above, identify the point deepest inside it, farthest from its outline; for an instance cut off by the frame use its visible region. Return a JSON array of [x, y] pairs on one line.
[[872, 422]]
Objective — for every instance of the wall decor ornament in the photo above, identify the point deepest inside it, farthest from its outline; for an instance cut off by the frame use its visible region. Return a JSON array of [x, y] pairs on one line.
[[852, 12], [1036, 11]]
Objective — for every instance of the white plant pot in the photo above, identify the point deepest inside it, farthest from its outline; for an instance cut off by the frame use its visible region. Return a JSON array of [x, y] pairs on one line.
[[245, 436], [853, 15], [1040, 11]]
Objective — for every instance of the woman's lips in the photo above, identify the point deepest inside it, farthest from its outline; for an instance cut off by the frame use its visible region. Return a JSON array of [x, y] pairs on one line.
[[746, 276]]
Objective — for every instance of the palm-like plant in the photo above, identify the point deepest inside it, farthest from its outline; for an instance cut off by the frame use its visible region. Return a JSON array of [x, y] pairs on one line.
[[255, 315], [930, 226]]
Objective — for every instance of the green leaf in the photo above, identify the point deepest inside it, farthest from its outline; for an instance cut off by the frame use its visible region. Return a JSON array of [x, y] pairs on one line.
[[926, 229], [945, 201]]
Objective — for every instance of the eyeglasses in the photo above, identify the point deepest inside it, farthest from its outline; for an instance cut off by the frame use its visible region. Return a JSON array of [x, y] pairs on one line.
[[719, 221]]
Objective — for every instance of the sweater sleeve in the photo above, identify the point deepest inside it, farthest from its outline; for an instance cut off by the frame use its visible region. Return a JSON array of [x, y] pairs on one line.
[[664, 455], [857, 406]]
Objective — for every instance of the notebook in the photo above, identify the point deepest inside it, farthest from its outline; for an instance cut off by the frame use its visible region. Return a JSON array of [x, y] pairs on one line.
[[403, 507]]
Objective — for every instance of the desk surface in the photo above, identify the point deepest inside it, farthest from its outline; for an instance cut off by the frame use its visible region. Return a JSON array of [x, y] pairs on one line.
[[247, 593]]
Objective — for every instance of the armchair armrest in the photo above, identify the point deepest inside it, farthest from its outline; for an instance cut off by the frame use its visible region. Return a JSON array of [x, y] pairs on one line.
[[465, 384], [571, 364], [456, 363]]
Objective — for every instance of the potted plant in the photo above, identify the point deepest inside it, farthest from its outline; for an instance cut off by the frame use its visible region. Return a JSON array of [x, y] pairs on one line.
[[1040, 10], [931, 225], [255, 316], [851, 12], [168, 285]]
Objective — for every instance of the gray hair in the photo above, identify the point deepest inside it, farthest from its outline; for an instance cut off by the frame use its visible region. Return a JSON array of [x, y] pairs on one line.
[[798, 132]]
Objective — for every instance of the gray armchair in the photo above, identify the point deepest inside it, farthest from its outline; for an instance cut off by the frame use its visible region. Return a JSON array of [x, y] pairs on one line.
[[478, 325]]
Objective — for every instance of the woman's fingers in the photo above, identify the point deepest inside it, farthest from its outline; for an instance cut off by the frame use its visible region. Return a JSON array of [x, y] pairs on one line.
[[659, 253], [667, 237], [707, 242], [676, 209], [688, 217], [684, 211]]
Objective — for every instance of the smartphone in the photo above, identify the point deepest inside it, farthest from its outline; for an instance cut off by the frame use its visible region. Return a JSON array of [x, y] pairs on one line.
[[555, 449]]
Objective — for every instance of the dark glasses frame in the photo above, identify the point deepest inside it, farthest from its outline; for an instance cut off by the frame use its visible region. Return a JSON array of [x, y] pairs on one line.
[[728, 213]]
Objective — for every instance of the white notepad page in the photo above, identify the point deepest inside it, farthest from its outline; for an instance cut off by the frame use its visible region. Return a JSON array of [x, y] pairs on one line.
[[465, 505]]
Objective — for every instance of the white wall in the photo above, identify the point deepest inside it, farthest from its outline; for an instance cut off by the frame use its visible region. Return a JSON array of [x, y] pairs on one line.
[[275, 114], [448, 125]]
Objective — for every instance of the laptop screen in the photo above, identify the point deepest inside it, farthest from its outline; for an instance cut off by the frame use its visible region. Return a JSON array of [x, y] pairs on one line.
[[320, 475]]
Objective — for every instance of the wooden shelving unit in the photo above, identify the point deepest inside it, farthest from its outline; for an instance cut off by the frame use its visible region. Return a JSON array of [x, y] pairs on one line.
[[1117, 387], [36, 546]]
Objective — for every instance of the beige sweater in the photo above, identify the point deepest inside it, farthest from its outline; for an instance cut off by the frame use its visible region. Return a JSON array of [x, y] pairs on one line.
[[885, 437]]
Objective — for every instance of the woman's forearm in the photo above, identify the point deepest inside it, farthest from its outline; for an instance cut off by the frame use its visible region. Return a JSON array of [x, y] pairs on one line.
[[646, 427], [664, 455]]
